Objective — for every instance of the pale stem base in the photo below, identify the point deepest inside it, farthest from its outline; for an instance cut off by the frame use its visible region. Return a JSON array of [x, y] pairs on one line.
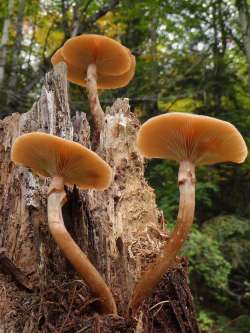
[[186, 181], [73, 253]]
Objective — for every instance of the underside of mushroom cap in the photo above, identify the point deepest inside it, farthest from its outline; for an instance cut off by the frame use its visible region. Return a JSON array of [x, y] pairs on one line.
[[199, 139], [51, 156], [76, 75], [110, 57]]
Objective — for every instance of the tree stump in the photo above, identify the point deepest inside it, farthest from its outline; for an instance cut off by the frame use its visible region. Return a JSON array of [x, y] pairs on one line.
[[120, 229]]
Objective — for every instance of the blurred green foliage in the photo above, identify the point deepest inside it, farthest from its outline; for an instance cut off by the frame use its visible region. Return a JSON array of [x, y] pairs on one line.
[[207, 263]]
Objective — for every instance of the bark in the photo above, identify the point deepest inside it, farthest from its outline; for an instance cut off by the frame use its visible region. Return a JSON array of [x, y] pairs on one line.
[[4, 41], [244, 20], [120, 229]]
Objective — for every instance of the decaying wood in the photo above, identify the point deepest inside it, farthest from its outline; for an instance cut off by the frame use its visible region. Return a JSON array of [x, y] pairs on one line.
[[128, 227], [7, 267], [121, 229]]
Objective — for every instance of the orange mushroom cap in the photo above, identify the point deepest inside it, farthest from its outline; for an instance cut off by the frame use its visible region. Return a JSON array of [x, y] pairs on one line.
[[199, 139], [51, 156], [75, 74], [57, 57], [119, 81], [109, 56]]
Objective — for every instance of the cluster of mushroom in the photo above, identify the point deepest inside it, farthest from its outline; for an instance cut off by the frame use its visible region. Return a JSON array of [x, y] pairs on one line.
[[100, 62], [67, 163], [95, 62]]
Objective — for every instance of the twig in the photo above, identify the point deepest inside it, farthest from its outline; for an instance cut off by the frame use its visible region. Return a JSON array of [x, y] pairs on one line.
[[154, 306], [139, 325], [84, 329]]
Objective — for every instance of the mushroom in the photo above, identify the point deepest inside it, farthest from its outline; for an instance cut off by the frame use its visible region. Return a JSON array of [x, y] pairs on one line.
[[95, 61], [74, 74], [67, 163], [190, 140]]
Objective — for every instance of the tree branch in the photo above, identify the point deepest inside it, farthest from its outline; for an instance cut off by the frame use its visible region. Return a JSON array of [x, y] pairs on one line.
[[106, 8]]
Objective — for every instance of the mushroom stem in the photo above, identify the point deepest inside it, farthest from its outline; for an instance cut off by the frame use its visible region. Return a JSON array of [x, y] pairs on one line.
[[95, 106], [74, 254], [57, 184], [186, 181]]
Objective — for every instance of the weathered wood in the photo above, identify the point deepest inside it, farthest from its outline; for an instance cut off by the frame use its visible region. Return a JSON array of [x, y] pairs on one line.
[[121, 229], [128, 227], [23, 219], [7, 267]]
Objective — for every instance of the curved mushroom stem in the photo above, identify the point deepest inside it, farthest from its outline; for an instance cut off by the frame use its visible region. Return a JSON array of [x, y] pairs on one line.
[[95, 106], [56, 199], [186, 181]]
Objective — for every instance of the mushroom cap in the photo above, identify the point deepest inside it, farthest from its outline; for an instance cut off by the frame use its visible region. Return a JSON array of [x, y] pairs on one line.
[[48, 155], [75, 74], [110, 57], [199, 139], [57, 57], [119, 81]]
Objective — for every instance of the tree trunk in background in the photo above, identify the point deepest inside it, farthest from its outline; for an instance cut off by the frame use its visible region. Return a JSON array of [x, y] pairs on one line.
[[121, 229], [4, 41], [244, 20], [16, 52]]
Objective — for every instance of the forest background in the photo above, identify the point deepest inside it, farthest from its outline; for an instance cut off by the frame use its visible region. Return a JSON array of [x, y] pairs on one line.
[[192, 56]]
